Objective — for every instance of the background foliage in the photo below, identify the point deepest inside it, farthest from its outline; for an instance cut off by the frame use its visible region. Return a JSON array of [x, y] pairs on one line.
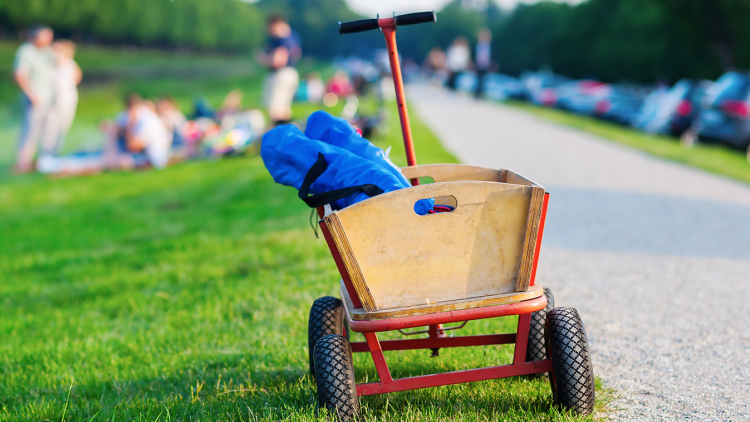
[[612, 40], [215, 24]]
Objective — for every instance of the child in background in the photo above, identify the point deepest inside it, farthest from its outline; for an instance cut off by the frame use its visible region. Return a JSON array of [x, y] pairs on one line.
[[67, 77]]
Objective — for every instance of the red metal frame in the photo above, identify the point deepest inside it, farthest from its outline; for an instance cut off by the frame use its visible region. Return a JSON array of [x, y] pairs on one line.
[[388, 25], [539, 235], [437, 338], [387, 384]]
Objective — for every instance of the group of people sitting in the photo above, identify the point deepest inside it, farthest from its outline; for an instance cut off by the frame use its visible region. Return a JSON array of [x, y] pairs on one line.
[[144, 133], [148, 133], [155, 133]]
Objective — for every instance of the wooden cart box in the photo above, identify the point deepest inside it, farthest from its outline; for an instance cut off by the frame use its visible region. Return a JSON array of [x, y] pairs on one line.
[[480, 254]]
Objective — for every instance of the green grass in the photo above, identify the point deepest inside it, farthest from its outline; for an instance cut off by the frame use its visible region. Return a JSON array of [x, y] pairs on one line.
[[183, 294], [716, 159]]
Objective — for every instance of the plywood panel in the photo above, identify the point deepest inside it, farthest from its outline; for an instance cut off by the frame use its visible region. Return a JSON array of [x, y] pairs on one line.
[[397, 258], [359, 314], [451, 173]]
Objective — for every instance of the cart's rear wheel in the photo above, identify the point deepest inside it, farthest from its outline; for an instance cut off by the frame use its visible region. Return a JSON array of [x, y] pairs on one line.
[[334, 375], [572, 376], [326, 317], [536, 349]]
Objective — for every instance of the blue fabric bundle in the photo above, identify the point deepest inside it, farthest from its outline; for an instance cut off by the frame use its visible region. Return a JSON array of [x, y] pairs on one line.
[[342, 162], [338, 132]]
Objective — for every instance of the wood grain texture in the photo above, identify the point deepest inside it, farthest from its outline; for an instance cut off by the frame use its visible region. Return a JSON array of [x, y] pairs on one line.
[[447, 306], [350, 260], [530, 238], [508, 176], [452, 173], [396, 258]]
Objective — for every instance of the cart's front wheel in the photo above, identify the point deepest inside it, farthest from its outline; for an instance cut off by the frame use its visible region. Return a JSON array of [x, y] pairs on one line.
[[572, 376], [326, 317], [334, 375], [536, 349]]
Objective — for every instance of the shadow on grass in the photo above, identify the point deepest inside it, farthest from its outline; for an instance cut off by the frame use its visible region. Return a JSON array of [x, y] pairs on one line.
[[241, 387]]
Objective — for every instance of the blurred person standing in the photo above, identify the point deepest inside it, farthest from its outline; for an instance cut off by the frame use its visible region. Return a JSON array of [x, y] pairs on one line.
[[281, 55], [482, 58], [67, 77], [458, 60], [34, 72]]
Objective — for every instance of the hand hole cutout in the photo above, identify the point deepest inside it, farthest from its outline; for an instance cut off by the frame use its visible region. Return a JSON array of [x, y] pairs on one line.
[[442, 205]]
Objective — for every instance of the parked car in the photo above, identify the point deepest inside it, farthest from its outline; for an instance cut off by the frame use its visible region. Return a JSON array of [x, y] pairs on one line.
[[540, 86], [619, 106], [500, 87], [649, 109], [466, 82], [725, 113], [581, 97], [679, 107]]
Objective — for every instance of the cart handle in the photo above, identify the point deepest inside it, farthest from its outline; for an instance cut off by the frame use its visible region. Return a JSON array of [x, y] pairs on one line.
[[363, 25]]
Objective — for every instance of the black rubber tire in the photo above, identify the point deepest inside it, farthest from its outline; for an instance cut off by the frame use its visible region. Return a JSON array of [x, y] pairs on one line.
[[334, 375], [536, 348], [326, 317], [572, 378]]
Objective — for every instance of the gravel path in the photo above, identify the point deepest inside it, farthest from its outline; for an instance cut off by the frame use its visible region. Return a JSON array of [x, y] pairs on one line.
[[654, 255]]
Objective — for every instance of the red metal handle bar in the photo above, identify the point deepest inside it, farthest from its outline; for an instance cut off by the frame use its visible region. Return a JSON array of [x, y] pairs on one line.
[[388, 26]]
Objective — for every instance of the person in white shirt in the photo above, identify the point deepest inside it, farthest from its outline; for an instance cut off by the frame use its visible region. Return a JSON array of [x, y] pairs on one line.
[[138, 137], [67, 77], [34, 72], [458, 60], [482, 58]]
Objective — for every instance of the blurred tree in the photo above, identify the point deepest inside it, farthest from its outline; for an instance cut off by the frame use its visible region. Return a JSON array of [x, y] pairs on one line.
[[218, 24], [637, 40], [315, 23], [717, 25]]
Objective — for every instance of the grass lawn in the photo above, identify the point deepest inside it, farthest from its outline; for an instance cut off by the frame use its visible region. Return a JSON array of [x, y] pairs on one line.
[[713, 158], [183, 294]]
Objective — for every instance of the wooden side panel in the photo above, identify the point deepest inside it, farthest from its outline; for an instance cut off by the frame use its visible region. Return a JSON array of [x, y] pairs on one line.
[[451, 173], [350, 260], [359, 314], [397, 258], [509, 176], [530, 239]]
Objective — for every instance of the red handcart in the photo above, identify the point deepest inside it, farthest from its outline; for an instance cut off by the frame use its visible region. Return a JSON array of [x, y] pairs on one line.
[[400, 270]]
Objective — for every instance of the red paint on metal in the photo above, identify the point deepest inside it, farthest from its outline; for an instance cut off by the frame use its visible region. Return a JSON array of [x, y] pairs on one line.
[[457, 377], [522, 339], [379, 358], [340, 264], [443, 342], [525, 307], [389, 31], [539, 235]]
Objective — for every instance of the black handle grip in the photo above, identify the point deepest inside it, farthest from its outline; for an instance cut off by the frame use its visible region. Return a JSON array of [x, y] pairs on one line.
[[361, 25], [415, 18]]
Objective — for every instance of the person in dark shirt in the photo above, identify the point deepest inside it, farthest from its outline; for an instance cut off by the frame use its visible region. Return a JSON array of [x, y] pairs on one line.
[[280, 56]]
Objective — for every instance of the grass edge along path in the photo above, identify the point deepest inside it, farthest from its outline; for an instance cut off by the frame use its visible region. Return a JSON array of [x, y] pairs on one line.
[[183, 295], [716, 159]]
